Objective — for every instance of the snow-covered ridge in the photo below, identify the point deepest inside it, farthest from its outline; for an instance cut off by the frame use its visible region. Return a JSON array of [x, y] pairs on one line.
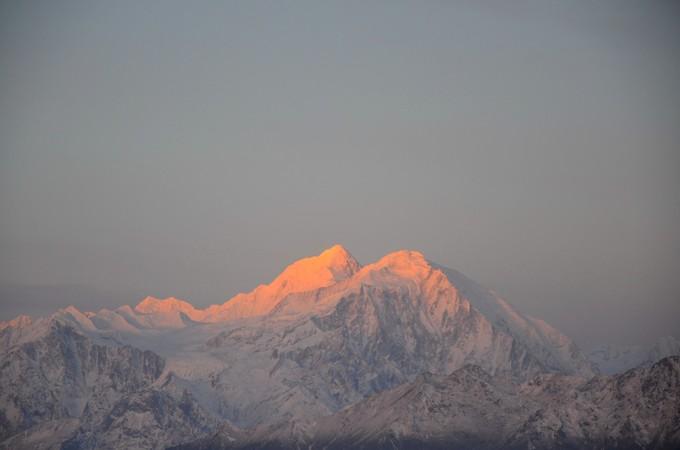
[[18, 322]]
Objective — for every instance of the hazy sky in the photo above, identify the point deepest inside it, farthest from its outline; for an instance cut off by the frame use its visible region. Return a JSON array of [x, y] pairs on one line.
[[175, 148]]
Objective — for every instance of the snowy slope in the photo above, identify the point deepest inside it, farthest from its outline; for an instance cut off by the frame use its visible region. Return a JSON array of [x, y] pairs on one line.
[[558, 351]]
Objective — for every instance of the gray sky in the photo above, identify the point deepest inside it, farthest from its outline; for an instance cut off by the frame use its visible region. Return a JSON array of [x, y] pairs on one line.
[[174, 148]]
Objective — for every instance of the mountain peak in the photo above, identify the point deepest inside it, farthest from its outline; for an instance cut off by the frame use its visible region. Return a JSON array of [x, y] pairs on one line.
[[18, 322], [405, 263], [404, 257], [330, 266], [335, 251], [337, 258], [156, 305], [400, 268]]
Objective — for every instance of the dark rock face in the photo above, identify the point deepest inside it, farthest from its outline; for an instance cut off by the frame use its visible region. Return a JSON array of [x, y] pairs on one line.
[[149, 419], [82, 395], [62, 374]]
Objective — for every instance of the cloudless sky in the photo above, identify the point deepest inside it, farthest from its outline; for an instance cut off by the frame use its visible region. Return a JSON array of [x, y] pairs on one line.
[[196, 148]]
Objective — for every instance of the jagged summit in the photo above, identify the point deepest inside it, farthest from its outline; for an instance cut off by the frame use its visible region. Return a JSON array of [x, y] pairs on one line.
[[152, 305], [19, 321], [406, 264], [171, 308], [336, 253], [332, 265]]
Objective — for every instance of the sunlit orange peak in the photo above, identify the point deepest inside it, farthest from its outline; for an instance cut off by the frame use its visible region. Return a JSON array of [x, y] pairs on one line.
[[155, 305], [332, 265], [405, 263]]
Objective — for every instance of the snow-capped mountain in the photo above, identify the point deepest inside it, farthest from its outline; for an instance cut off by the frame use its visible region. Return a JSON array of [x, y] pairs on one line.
[[612, 359], [472, 409], [325, 334]]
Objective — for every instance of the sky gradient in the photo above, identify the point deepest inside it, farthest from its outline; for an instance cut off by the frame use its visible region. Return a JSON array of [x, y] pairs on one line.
[[194, 150]]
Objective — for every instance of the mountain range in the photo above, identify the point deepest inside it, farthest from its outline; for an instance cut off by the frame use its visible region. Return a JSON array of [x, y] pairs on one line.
[[472, 409], [331, 354]]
